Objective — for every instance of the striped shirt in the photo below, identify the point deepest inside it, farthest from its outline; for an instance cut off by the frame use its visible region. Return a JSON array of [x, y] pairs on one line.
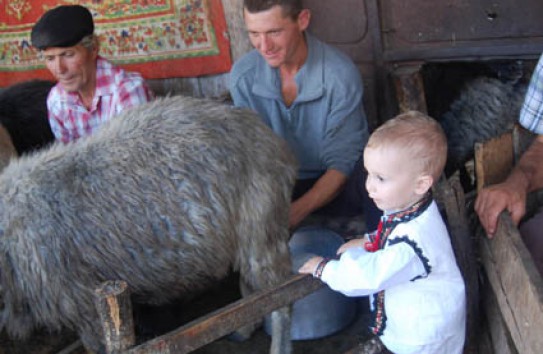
[[531, 115], [116, 90]]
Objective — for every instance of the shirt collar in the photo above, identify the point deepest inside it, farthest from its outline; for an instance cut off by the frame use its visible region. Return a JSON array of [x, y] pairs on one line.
[[309, 79], [409, 213]]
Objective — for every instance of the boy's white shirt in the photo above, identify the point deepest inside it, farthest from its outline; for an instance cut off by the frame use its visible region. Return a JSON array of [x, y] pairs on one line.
[[422, 311]]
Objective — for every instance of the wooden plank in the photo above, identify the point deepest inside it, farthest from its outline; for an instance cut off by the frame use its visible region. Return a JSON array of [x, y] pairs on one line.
[[450, 196], [493, 160], [495, 337], [219, 323], [517, 285]]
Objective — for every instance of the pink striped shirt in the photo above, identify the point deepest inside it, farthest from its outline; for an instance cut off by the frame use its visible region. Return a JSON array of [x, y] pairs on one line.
[[116, 90]]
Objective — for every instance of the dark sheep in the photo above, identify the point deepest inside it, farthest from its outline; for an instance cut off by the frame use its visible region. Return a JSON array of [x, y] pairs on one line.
[[23, 112], [169, 196], [487, 107]]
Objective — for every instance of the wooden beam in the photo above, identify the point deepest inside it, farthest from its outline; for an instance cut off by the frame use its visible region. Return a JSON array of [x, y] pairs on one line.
[[517, 284], [219, 323]]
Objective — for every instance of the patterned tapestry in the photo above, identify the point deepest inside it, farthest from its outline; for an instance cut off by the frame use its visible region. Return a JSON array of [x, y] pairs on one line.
[[158, 38]]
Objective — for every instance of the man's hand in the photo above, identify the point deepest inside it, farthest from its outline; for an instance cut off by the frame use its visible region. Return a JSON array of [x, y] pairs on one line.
[[493, 200], [510, 195]]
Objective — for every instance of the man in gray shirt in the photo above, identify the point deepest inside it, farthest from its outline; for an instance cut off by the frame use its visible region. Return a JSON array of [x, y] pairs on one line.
[[310, 94]]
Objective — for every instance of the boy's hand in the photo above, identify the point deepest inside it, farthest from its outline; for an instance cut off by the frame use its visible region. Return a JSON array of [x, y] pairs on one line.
[[310, 266], [357, 242]]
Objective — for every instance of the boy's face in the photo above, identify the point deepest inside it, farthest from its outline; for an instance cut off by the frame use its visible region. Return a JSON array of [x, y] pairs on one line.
[[278, 38], [393, 181]]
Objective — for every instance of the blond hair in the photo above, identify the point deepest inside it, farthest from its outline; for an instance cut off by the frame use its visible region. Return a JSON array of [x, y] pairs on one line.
[[418, 136]]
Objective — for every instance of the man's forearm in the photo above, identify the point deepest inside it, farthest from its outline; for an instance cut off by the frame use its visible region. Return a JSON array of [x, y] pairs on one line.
[[323, 191]]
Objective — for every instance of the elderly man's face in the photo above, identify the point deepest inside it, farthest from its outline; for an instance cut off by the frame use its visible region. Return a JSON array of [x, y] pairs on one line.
[[73, 67], [278, 38]]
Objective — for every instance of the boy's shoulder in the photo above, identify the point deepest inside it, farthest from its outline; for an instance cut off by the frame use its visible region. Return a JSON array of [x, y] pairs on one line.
[[429, 222]]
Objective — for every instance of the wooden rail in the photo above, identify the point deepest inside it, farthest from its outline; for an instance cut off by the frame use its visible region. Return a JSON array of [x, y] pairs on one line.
[[113, 310], [517, 285]]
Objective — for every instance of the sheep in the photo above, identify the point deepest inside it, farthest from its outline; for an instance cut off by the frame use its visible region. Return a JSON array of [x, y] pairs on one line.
[[23, 113], [486, 108], [168, 196]]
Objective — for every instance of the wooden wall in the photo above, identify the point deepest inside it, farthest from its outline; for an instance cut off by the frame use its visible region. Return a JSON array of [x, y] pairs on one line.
[[332, 22], [383, 36]]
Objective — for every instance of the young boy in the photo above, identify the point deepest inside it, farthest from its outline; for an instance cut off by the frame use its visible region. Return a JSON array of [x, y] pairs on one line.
[[407, 265]]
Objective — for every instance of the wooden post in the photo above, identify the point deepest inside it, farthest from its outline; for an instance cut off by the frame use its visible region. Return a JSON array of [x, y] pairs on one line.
[[493, 160], [409, 86], [115, 310]]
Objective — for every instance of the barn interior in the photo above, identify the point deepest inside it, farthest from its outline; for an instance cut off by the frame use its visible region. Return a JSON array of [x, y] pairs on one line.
[[412, 55]]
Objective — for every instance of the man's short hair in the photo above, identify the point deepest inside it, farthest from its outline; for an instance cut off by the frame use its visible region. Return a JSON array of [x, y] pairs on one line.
[[291, 8], [63, 26]]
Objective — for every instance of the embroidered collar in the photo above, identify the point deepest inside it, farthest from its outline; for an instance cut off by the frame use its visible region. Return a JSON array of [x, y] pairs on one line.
[[389, 221]]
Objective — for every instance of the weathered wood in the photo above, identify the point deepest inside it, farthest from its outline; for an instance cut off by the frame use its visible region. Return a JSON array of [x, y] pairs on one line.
[[496, 338], [115, 311], [517, 285], [239, 40], [493, 160], [512, 275], [409, 87], [246, 311]]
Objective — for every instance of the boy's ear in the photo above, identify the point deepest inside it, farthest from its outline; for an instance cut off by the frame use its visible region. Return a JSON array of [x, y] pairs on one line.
[[424, 183]]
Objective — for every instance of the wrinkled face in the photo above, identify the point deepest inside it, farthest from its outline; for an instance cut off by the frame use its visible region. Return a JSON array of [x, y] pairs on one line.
[[278, 38], [392, 183], [73, 67]]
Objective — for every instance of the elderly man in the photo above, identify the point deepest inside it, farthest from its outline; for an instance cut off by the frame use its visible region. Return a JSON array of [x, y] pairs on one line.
[[310, 94], [90, 89]]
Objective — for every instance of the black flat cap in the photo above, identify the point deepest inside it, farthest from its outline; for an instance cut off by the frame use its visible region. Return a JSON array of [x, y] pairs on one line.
[[63, 26]]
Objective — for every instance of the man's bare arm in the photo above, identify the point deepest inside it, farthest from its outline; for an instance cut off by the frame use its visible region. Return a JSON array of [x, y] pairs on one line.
[[323, 191]]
